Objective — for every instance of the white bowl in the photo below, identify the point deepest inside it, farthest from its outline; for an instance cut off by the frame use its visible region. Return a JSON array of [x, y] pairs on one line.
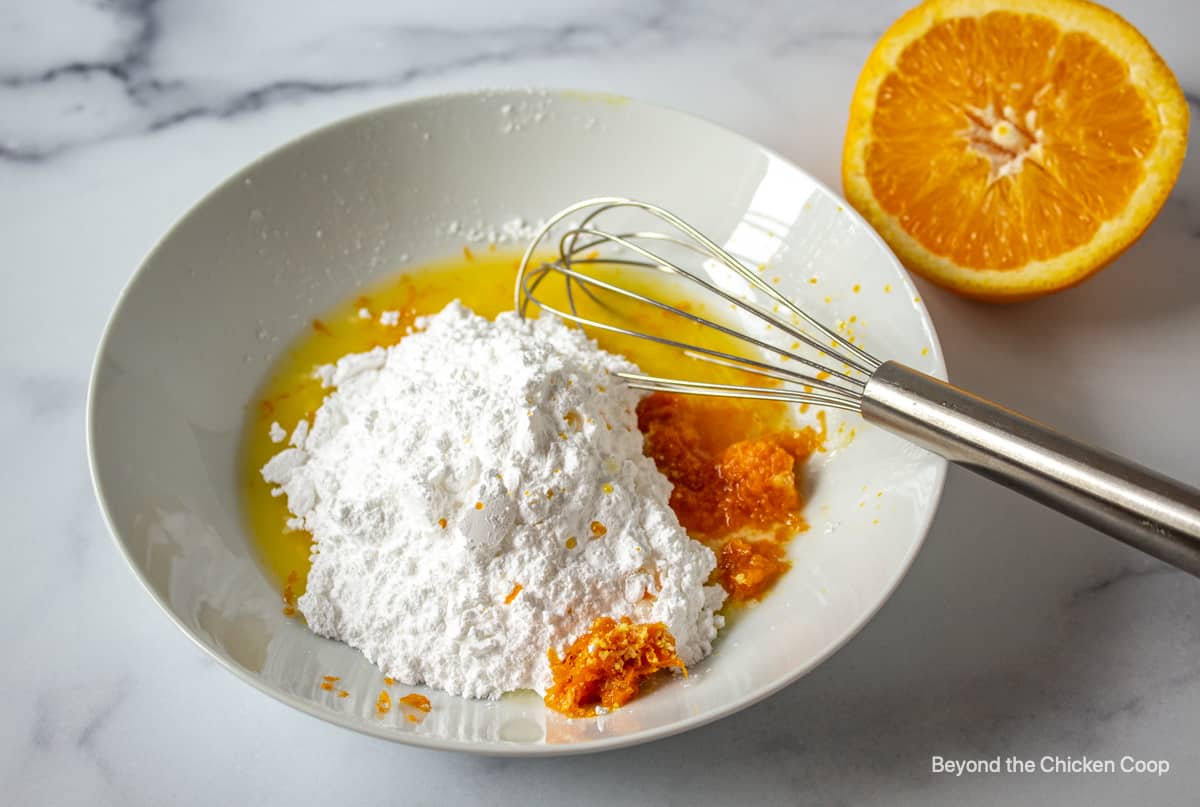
[[244, 272]]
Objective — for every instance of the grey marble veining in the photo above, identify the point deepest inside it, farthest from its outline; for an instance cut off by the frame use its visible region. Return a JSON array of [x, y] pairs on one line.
[[141, 73], [1016, 632]]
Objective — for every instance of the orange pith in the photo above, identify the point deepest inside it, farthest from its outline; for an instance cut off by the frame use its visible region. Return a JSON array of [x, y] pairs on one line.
[[1010, 148]]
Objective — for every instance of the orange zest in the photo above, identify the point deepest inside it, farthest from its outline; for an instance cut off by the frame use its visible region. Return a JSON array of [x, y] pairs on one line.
[[724, 489], [289, 593], [605, 666], [720, 487], [1007, 149], [749, 568], [417, 701]]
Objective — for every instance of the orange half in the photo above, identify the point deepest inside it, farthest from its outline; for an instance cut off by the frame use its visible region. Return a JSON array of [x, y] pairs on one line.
[[1007, 149]]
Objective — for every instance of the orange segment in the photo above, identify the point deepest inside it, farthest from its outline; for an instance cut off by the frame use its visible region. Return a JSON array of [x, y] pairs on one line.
[[1010, 148]]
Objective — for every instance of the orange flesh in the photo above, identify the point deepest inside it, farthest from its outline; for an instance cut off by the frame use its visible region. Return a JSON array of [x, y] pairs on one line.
[[1001, 139], [606, 666]]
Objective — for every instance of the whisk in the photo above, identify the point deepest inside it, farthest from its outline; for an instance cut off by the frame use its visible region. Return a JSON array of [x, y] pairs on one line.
[[1144, 509]]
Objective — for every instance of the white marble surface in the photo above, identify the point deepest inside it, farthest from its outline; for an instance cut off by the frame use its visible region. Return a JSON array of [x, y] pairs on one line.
[[1016, 633]]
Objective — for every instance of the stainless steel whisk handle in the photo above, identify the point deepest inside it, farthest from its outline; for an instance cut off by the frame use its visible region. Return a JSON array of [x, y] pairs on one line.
[[1147, 510]]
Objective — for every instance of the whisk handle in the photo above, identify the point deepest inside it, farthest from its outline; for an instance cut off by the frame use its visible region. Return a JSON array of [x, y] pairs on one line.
[[1147, 510]]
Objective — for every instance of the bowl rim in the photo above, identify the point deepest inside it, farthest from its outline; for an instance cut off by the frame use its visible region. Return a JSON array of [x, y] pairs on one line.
[[501, 748]]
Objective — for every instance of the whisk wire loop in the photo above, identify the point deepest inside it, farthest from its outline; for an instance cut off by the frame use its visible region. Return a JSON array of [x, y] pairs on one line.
[[721, 357], [579, 249], [699, 242], [656, 262]]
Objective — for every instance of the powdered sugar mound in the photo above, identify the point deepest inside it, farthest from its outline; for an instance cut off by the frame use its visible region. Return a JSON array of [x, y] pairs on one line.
[[526, 419]]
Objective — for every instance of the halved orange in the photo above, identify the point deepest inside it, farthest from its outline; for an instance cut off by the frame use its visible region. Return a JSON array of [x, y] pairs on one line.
[[1007, 149]]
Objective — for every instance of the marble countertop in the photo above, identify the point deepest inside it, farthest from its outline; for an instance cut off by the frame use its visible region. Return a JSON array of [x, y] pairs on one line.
[[1017, 632]]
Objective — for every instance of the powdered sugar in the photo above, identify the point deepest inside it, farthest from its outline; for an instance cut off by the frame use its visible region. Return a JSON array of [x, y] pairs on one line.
[[513, 231], [517, 438]]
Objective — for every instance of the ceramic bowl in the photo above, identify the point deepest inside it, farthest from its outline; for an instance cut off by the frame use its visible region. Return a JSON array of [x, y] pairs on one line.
[[225, 291]]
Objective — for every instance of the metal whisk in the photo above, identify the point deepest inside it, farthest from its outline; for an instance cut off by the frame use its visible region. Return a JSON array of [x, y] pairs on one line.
[[1134, 504]]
